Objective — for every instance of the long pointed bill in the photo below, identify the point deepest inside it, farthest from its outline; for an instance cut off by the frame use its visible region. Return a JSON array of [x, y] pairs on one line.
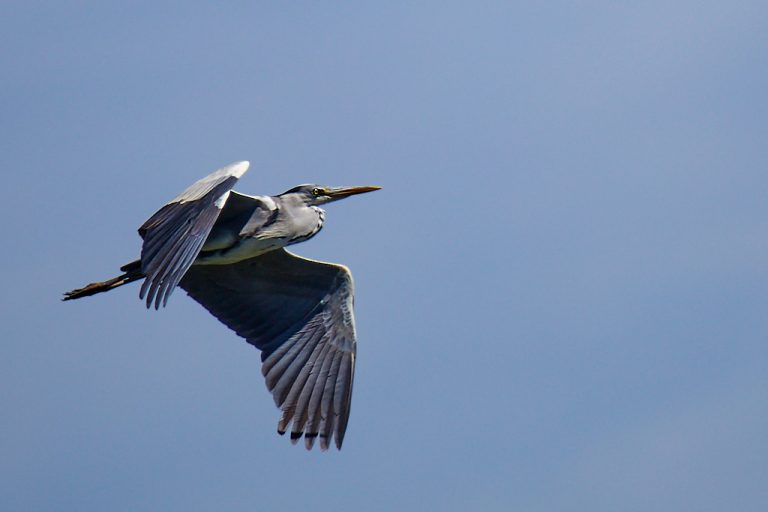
[[342, 192]]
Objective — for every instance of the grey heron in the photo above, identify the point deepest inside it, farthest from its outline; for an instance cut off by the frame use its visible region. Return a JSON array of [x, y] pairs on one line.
[[227, 250]]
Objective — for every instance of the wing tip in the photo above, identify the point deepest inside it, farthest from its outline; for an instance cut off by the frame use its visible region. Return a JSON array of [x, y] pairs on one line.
[[238, 168]]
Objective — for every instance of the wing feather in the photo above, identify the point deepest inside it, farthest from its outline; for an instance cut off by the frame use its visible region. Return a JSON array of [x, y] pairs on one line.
[[327, 417], [313, 408], [284, 371], [303, 405], [175, 234], [163, 266], [298, 312], [284, 385], [343, 396], [293, 400]]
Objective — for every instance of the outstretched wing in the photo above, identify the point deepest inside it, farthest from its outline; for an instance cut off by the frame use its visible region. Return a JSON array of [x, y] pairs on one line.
[[298, 312], [175, 234]]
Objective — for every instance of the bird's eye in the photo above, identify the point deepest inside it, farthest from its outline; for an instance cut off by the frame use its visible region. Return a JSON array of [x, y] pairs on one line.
[[316, 191]]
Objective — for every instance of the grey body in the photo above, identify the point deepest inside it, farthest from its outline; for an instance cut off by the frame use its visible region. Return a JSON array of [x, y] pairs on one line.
[[226, 250], [251, 225]]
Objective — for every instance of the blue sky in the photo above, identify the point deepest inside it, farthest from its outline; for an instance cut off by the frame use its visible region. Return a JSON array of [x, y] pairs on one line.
[[561, 290]]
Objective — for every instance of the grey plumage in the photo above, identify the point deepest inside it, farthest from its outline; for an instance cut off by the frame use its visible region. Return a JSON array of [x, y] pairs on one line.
[[226, 250], [175, 234]]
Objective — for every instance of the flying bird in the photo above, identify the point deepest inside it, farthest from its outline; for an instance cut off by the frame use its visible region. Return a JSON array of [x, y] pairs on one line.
[[227, 251]]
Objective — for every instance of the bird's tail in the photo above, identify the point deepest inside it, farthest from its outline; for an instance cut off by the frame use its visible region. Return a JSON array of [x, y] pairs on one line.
[[131, 272]]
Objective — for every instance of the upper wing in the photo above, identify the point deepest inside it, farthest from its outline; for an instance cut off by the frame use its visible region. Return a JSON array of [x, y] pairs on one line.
[[299, 313], [174, 235]]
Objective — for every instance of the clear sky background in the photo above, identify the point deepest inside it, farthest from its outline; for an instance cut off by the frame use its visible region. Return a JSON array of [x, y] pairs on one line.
[[562, 290]]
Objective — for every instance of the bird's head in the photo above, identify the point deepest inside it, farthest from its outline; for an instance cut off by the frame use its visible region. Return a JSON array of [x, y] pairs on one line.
[[315, 195]]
